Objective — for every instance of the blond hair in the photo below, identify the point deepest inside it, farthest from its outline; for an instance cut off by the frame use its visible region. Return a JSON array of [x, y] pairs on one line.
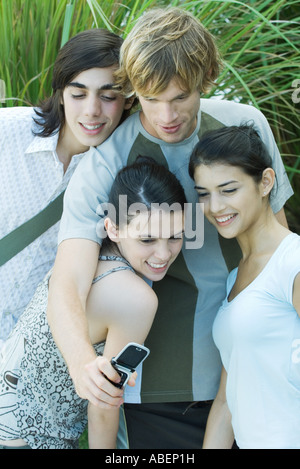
[[165, 44]]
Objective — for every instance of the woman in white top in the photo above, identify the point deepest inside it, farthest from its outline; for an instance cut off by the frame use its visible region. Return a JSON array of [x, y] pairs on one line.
[[257, 328]]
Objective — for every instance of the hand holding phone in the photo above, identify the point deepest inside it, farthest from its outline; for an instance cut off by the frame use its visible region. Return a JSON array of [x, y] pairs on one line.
[[127, 361]]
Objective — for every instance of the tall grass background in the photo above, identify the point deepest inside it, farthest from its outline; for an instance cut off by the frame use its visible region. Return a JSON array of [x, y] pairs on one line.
[[259, 42]]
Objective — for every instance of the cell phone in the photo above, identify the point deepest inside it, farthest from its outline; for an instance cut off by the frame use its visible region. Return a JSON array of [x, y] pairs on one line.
[[127, 361]]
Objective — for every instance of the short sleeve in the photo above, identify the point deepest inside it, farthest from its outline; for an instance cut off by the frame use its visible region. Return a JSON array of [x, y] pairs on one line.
[[85, 196], [282, 190], [289, 267]]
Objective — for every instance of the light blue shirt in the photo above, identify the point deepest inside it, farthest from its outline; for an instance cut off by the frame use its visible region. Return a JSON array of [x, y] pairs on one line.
[[258, 335]]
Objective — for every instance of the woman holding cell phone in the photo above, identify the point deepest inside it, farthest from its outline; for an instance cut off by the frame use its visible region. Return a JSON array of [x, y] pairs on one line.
[[38, 400]]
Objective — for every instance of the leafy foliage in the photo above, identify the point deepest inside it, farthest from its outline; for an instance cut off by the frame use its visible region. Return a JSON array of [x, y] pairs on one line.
[[259, 42]]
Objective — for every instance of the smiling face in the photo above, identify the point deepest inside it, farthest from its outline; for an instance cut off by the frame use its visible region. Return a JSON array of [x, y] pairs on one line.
[[233, 201], [171, 115], [92, 109], [151, 242]]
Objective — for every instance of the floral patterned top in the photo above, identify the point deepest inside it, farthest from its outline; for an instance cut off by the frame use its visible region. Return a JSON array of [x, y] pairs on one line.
[[38, 401]]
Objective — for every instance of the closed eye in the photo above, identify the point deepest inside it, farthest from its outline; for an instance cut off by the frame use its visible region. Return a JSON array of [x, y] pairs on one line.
[[147, 240], [182, 96], [150, 100], [175, 239], [108, 98], [230, 191], [78, 96]]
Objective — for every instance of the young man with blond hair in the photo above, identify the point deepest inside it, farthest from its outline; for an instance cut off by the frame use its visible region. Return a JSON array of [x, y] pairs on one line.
[[168, 60]]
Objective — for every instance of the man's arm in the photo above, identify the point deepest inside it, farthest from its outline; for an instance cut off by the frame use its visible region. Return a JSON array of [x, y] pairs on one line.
[[70, 283]]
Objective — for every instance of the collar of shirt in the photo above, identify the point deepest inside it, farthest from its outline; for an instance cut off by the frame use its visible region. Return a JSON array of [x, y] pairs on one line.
[[49, 144], [43, 144]]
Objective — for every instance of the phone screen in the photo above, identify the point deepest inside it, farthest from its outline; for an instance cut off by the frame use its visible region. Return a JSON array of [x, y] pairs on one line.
[[132, 356]]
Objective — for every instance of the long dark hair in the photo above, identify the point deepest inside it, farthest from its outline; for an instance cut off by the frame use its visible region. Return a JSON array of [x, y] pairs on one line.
[[239, 146], [88, 49]]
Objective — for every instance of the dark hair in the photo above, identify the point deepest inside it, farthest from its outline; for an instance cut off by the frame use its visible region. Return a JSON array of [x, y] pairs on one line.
[[144, 182], [88, 49], [239, 146]]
